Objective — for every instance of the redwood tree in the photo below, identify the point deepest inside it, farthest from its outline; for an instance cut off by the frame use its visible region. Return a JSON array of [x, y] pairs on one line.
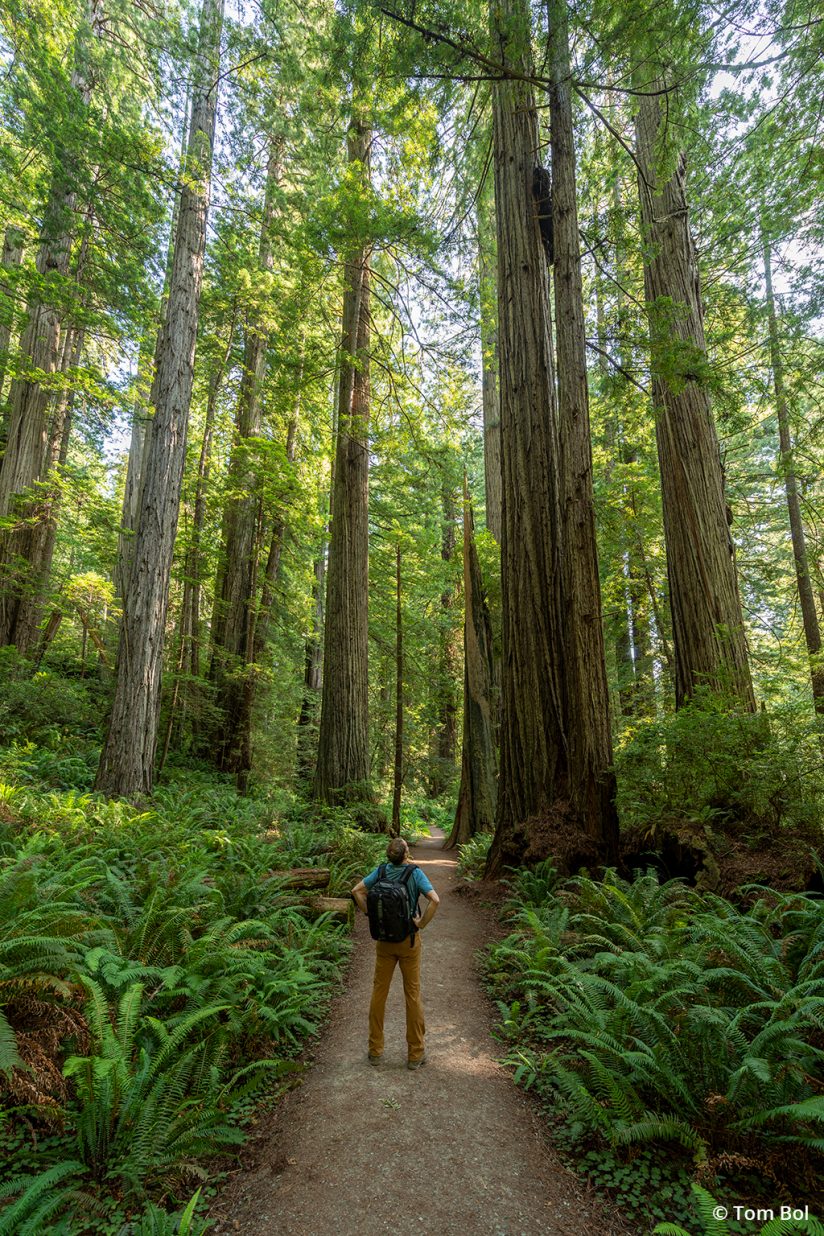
[[708, 630], [342, 769], [533, 759], [589, 740]]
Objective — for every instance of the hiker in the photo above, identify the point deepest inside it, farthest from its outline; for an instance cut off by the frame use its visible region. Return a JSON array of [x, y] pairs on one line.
[[395, 923]]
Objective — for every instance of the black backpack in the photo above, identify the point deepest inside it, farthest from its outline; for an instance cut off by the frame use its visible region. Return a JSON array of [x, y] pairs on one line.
[[387, 904]]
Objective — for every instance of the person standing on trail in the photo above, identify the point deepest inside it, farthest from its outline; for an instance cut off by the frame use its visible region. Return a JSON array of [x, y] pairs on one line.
[[389, 896]]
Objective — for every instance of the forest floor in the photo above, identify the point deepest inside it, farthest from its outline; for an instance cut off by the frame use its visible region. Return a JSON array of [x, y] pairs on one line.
[[454, 1147]]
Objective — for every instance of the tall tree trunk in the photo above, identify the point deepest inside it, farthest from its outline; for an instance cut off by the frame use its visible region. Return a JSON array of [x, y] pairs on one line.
[[490, 395], [26, 455], [446, 732], [475, 811], [11, 259], [127, 760], [708, 629], [342, 770], [397, 770], [235, 612], [533, 769], [809, 617], [43, 530], [589, 738]]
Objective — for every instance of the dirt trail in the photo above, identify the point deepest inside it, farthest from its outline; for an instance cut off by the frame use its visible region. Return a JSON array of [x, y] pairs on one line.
[[455, 1147]]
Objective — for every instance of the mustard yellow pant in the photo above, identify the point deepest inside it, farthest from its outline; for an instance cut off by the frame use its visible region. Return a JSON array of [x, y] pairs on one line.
[[387, 956]]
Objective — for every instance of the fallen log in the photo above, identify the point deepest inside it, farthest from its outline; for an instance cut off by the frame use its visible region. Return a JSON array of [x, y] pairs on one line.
[[302, 877]]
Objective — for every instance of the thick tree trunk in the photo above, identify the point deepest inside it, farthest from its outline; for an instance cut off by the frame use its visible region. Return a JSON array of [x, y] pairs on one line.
[[342, 771], [127, 760], [490, 395], [533, 769], [26, 456], [397, 768], [446, 732], [809, 617], [708, 629], [475, 811], [589, 738]]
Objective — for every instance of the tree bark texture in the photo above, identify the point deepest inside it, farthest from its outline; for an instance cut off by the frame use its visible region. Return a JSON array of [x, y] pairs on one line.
[[490, 394], [708, 630], [533, 759], [127, 760], [342, 770], [475, 811], [589, 738], [235, 613], [809, 616]]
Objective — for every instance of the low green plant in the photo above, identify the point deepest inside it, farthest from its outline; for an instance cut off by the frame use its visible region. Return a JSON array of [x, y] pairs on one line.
[[651, 1015], [472, 856]]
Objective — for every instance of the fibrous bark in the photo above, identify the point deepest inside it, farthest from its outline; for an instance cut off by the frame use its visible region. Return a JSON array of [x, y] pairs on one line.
[[127, 760], [490, 395], [708, 630], [533, 759], [589, 740], [342, 770]]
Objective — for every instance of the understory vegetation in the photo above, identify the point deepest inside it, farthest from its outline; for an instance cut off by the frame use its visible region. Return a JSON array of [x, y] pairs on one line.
[[156, 983], [674, 1037]]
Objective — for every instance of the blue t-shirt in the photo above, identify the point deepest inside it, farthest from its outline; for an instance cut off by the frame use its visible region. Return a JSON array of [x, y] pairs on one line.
[[417, 886]]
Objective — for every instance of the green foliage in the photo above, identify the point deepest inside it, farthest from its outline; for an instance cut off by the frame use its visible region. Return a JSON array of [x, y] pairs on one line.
[[472, 856], [651, 1016], [712, 1218], [721, 773], [155, 979]]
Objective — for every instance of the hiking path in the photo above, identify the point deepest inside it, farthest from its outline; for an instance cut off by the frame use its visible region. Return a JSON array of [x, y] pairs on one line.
[[454, 1147]]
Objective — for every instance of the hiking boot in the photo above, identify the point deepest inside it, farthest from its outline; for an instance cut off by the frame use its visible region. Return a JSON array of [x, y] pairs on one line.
[[416, 1064], [374, 1059]]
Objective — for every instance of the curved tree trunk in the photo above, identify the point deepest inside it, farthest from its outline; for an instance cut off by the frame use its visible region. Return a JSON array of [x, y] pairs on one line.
[[342, 771], [127, 760], [533, 762], [708, 630], [475, 811], [589, 738]]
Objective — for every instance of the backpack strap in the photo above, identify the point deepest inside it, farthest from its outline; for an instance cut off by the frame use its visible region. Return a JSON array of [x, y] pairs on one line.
[[404, 880], [381, 871]]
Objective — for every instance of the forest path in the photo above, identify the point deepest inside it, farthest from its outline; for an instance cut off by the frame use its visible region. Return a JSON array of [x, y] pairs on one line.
[[360, 1151]]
